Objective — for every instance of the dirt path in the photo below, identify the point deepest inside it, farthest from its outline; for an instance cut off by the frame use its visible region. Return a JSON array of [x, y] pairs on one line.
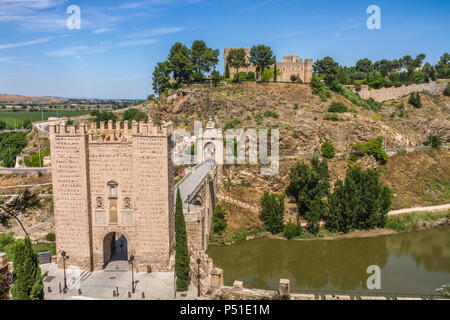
[[421, 209]]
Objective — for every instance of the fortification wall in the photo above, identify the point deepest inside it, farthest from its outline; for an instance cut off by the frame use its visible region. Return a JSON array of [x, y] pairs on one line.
[[384, 94], [210, 277], [108, 180]]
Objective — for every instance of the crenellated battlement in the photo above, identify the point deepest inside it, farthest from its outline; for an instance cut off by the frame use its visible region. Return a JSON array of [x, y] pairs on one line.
[[113, 131]]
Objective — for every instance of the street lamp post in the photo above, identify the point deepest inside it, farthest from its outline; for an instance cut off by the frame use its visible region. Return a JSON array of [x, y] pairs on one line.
[[132, 273], [64, 257], [198, 276]]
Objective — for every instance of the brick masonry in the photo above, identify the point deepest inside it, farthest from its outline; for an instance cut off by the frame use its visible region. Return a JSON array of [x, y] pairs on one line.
[[113, 180]]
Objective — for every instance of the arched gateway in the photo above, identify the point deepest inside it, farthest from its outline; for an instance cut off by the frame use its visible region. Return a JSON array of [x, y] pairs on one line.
[[113, 186]]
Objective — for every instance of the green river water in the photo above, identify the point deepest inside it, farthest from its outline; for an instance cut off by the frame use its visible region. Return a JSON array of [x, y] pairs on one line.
[[415, 262]]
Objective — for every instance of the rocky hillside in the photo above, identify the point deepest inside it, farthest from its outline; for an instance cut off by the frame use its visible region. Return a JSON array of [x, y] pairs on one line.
[[299, 115]]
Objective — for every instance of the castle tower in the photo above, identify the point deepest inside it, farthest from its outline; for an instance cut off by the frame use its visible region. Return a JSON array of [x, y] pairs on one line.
[[113, 181]]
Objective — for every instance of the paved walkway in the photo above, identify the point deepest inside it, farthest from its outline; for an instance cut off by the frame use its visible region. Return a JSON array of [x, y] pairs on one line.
[[193, 179], [99, 285]]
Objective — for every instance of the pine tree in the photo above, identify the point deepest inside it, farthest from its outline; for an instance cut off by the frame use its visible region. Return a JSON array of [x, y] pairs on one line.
[[182, 258], [27, 274]]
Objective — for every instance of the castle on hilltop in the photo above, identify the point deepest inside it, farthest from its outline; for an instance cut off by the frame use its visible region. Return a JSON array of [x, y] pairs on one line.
[[290, 66]]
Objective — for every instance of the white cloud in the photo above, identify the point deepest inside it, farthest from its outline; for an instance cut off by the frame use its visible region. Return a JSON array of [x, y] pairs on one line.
[[133, 43], [156, 32], [24, 44], [76, 50], [5, 59]]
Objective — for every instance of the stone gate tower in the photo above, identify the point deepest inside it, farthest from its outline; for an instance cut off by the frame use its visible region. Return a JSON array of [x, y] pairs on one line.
[[113, 180]]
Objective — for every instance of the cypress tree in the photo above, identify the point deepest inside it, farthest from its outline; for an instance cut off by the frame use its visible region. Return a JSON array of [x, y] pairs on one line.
[[275, 72], [182, 258], [227, 71], [272, 212], [27, 274]]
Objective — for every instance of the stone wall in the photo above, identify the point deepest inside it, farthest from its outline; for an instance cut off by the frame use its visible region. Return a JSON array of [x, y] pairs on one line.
[[384, 94], [4, 277], [211, 277], [113, 180]]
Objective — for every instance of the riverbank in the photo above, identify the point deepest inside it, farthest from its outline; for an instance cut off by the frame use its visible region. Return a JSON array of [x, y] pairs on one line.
[[406, 222]]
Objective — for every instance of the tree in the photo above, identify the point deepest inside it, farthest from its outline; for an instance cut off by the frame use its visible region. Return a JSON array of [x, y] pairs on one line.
[[414, 99], [182, 258], [374, 79], [447, 90], [134, 114], [219, 221], [261, 57], [360, 202], [227, 71], [443, 66], [267, 75], [308, 183], [363, 65], [161, 77], [21, 206], [275, 71], [272, 212], [180, 62], [237, 59], [327, 69], [313, 215], [27, 275], [216, 77], [204, 59], [429, 72], [327, 149]]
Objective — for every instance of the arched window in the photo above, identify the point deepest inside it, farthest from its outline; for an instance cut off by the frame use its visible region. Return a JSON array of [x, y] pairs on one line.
[[112, 189]]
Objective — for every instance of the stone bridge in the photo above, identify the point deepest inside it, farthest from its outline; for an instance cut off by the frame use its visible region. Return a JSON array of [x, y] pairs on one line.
[[198, 190]]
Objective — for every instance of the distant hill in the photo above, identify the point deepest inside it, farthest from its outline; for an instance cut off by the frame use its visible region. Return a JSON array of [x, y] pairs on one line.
[[14, 99]]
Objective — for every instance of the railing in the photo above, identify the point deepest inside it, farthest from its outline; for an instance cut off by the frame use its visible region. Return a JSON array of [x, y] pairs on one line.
[[359, 294]]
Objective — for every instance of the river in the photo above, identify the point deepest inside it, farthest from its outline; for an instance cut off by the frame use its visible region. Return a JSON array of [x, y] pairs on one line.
[[415, 263]]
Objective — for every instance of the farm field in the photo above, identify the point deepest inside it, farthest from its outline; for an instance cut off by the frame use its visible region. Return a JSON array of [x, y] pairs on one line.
[[20, 116]]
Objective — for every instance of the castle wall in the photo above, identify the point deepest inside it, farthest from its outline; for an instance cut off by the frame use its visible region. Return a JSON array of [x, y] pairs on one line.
[[291, 65], [384, 94]]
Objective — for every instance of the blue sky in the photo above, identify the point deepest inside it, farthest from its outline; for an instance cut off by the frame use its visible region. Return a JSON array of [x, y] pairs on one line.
[[119, 43]]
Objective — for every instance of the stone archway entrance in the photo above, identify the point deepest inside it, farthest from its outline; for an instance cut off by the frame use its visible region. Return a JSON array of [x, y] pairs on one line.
[[209, 151], [115, 251]]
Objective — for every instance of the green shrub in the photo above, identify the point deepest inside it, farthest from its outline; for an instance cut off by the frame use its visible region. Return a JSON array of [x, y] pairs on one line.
[[331, 117], [319, 88], [219, 221], [50, 237], [259, 119], [232, 124], [271, 114], [433, 141], [372, 147], [337, 106], [36, 160], [292, 230], [414, 99], [328, 150], [447, 90], [250, 76], [296, 135]]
